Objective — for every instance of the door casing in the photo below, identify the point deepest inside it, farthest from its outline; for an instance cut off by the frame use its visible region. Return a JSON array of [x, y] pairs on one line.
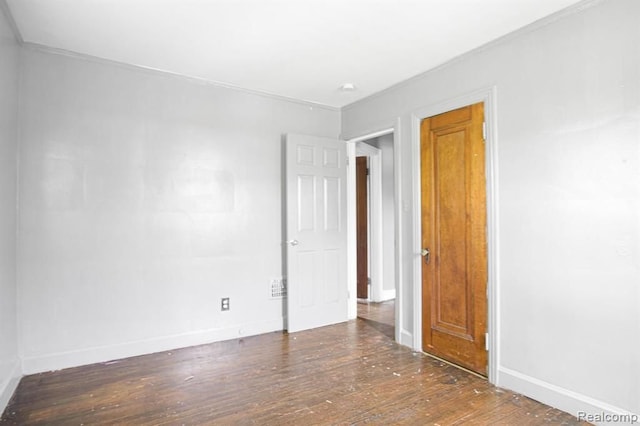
[[356, 147], [488, 97]]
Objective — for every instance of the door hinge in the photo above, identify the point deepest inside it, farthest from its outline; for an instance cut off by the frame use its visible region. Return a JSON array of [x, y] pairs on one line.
[[486, 342], [484, 131], [347, 161], [367, 171]]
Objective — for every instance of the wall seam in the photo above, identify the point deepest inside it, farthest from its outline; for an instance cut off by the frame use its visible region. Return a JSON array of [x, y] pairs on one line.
[[12, 22], [165, 73], [18, 210]]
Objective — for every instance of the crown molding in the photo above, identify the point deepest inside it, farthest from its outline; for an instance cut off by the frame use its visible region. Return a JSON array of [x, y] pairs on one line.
[[156, 71], [532, 27], [543, 22]]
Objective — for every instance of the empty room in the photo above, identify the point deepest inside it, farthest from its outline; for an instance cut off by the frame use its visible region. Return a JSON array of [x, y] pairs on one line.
[[319, 212]]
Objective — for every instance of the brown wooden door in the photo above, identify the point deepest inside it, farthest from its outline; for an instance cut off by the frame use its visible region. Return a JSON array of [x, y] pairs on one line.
[[454, 274], [361, 227]]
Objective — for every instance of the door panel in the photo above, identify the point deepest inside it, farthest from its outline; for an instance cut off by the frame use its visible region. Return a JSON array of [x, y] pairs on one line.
[[316, 234], [454, 273], [306, 202], [332, 204], [362, 233]]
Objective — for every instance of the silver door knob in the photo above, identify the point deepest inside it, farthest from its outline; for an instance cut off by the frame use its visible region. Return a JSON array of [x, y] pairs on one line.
[[293, 242]]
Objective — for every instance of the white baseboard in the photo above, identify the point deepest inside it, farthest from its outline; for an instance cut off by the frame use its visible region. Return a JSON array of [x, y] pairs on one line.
[[406, 338], [383, 295], [57, 361], [387, 295], [8, 386], [555, 396]]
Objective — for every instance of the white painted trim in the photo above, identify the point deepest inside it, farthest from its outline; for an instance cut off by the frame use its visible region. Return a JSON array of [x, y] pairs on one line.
[[387, 295], [404, 337], [57, 361], [372, 135], [161, 72], [416, 243], [489, 97], [556, 396], [398, 274], [493, 230], [8, 387], [400, 333], [376, 230], [364, 149], [352, 255]]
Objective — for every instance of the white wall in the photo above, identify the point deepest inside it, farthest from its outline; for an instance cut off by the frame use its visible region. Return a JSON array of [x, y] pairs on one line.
[[568, 134], [144, 199], [385, 144], [9, 366]]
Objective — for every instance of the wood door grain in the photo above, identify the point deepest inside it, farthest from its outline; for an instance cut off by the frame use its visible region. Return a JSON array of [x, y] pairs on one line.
[[362, 231], [454, 277]]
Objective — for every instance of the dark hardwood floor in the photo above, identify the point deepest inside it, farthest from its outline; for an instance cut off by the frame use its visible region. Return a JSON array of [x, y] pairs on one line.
[[350, 373], [380, 316]]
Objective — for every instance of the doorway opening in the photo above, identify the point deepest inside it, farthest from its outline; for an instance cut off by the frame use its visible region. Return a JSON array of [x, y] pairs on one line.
[[375, 221]]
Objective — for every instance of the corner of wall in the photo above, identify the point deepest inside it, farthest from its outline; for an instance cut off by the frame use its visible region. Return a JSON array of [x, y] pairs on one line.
[[4, 8], [9, 386], [11, 362]]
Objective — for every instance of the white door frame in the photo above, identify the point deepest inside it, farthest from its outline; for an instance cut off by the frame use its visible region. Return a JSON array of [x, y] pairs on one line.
[[351, 213], [488, 96]]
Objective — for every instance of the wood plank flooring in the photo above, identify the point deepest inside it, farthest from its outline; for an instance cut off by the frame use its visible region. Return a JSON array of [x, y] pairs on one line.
[[347, 374]]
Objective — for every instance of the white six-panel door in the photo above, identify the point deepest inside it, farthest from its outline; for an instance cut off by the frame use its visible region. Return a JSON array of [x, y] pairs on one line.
[[316, 231]]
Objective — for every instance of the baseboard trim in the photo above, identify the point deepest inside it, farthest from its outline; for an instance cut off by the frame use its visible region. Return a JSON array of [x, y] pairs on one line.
[[387, 295], [58, 361], [406, 338], [9, 386], [556, 396]]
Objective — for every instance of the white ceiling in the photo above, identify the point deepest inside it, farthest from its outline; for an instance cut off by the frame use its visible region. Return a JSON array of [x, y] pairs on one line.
[[301, 49]]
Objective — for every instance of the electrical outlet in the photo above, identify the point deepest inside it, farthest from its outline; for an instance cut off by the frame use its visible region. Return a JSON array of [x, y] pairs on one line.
[[224, 305], [278, 288]]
